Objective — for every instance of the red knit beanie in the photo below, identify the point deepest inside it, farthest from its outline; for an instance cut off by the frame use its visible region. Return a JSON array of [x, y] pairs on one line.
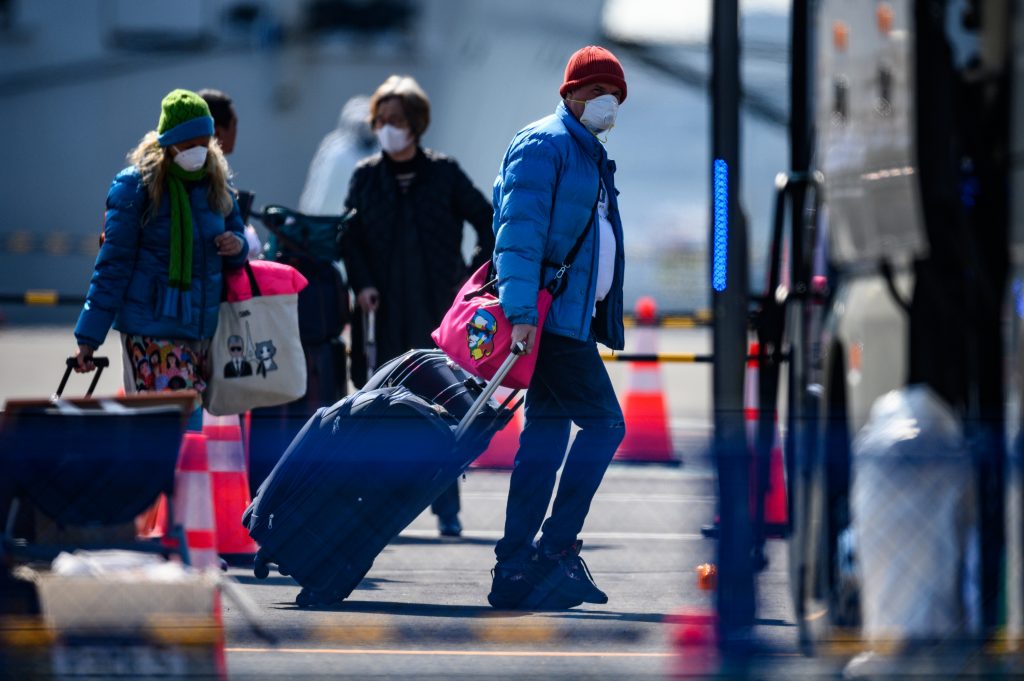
[[593, 64]]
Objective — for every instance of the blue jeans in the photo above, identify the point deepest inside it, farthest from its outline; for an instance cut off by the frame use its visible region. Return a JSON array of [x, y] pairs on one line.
[[570, 385]]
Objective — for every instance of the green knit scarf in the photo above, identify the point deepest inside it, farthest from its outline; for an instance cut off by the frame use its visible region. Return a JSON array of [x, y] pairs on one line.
[[178, 300]]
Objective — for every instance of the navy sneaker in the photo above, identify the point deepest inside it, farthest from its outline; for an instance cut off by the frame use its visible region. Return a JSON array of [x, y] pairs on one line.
[[571, 578], [509, 587], [528, 586]]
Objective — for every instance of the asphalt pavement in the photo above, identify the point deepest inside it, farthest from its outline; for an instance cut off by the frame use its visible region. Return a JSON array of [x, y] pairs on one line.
[[421, 612]]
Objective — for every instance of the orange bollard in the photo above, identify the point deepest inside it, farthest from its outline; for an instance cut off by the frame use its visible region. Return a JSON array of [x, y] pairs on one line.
[[647, 437], [230, 483], [501, 452]]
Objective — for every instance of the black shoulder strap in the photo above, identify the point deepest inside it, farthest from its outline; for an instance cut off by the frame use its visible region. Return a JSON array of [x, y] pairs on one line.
[[570, 257], [253, 284], [555, 285]]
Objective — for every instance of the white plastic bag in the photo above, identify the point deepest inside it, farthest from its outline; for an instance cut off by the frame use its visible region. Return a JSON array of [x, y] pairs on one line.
[[914, 508]]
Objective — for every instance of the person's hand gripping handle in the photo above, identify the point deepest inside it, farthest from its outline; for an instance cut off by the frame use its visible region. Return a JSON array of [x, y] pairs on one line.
[[525, 334]]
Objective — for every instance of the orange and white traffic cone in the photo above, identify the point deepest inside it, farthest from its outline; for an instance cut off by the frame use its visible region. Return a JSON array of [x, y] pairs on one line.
[[647, 437], [776, 508], [193, 502], [152, 523], [775, 505], [776, 512], [226, 455], [501, 452]]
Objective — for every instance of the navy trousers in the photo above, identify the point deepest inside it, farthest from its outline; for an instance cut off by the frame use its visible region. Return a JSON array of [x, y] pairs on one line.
[[570, 385]]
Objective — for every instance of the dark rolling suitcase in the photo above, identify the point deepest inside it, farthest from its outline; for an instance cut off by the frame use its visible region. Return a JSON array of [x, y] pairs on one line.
[[430, 374], [360, 471]]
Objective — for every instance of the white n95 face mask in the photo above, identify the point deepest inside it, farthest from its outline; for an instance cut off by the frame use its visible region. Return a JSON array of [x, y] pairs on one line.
[[392, 139], [191, 159], [599, 113]]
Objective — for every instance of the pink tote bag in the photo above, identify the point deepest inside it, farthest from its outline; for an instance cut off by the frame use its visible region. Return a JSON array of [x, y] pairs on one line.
[[476, 334]]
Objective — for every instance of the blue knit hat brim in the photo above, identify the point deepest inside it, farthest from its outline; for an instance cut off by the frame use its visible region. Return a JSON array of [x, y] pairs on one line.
[[201, 126]]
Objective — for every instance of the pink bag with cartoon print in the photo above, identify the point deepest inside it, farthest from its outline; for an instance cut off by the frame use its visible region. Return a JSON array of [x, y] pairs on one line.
[[477, 335], [475, 332]]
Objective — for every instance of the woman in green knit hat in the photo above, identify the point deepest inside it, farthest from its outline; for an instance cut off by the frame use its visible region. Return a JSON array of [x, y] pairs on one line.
[[171, 225]]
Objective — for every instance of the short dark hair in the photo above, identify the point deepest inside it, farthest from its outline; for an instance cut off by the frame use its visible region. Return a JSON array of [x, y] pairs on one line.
[[221, 107], [415, 104]]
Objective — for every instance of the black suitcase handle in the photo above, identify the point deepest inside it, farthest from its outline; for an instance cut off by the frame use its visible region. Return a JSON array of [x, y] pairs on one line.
[[71, 362]]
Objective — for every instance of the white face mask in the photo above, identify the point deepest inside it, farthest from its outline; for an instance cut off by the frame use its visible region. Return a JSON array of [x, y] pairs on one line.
[[599, 113], [191, 159], [392, 139]]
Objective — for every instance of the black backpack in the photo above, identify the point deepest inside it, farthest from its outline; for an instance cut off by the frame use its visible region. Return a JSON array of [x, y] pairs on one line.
[[312, 245]]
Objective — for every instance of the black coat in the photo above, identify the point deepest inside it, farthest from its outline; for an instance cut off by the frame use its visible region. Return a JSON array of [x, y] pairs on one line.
[[409, 247]]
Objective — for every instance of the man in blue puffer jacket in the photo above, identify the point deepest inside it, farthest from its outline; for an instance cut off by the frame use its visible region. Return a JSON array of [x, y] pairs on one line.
[[555, 197]]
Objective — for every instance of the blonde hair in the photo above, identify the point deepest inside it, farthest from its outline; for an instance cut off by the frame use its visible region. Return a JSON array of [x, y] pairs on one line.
[[152, 160]]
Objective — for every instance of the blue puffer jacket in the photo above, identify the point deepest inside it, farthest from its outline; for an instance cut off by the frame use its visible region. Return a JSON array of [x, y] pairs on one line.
[[543, 197], [130, 277]]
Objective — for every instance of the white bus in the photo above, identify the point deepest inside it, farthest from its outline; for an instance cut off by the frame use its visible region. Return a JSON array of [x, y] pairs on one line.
[[917, 108]]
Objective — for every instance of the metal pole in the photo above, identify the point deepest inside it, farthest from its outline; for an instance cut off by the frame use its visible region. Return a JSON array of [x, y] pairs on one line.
[[730, 292], [799, 96], [801, 404]]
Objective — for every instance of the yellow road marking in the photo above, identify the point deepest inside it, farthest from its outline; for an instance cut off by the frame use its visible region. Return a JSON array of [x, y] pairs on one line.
[[458, 653]]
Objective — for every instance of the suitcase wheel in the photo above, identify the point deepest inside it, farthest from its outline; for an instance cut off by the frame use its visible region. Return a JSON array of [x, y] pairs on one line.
[[306, 599], [283, 571], [260, 568]]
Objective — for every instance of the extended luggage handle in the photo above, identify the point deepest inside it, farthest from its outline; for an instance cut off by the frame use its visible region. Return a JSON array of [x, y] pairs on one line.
[[518, 350], [71, 362]]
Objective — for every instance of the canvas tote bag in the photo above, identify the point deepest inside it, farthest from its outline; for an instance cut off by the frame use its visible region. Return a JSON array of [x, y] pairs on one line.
[[256, 357]]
